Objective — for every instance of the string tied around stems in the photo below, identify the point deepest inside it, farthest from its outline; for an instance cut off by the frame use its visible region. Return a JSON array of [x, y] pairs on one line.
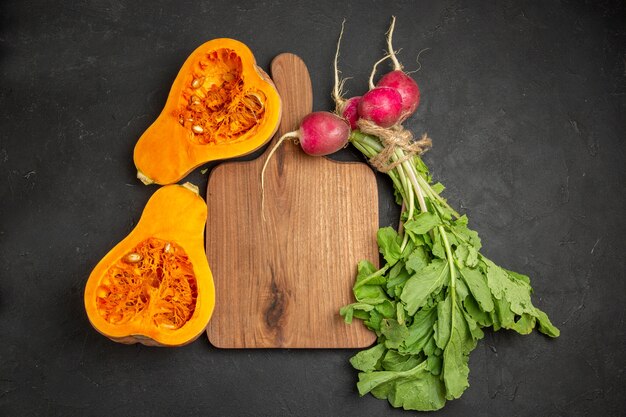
[[392, 138]]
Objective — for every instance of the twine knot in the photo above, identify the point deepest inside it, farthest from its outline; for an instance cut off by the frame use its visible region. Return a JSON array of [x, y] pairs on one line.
[[392, 138]]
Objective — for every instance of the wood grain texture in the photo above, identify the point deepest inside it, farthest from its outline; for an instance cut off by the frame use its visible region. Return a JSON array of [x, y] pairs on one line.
[[280, 282]]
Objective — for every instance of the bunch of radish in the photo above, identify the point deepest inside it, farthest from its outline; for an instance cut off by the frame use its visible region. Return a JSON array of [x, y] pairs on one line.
[[436, 291], [387, 104], [382, 109]]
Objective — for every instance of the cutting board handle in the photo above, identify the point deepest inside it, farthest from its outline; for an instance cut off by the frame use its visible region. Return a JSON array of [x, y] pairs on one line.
[[293, 82]]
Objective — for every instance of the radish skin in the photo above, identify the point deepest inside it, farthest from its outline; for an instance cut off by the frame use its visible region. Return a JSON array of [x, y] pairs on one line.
[[323, 133], [406, 86], [381, 105], [351, 111]]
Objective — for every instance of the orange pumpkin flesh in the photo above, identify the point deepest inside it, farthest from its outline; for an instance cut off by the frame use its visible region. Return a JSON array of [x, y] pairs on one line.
[[221, 105], [155, 286]]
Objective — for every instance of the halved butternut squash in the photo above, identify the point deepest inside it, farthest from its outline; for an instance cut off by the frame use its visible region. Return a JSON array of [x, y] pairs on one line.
[[155, 286], [221, 105]]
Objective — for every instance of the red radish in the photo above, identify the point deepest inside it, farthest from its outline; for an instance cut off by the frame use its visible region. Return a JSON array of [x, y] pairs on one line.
[[406, 86], [320, 133], [351, 111], [381, 105], [399, 80], [394, 98]]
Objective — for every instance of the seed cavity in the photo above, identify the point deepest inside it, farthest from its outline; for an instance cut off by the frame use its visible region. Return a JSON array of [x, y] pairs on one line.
[[218, 107], [161, 290]]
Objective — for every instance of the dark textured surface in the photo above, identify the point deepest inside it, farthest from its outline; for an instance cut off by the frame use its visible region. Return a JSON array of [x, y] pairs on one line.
[[525, 102]]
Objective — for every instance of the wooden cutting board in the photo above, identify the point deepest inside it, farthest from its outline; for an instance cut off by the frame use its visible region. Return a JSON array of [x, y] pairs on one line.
[[280, 281]]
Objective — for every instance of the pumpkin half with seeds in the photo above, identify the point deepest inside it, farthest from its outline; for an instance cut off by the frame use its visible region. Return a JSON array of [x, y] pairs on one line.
[[155, 286], [221, 105]]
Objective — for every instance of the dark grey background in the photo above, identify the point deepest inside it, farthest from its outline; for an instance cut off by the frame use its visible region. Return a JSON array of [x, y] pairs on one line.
[[525, 102]]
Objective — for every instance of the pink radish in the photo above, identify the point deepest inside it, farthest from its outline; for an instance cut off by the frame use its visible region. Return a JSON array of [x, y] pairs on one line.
[[399, 80], [406, 86], [320, 133], [387, 104], [350, 111], [381, 105]]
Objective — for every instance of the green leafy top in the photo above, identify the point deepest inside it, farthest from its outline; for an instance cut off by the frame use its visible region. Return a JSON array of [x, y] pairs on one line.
[[430, 301]]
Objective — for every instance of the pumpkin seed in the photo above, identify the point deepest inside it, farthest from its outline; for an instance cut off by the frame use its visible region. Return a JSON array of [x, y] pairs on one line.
[[197, 83], [197, 129], [254, 101], [133, 258]]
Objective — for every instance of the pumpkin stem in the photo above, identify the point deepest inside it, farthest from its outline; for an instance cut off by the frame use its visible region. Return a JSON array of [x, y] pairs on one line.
[[144, 178], [289, 135], [192, 187]]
